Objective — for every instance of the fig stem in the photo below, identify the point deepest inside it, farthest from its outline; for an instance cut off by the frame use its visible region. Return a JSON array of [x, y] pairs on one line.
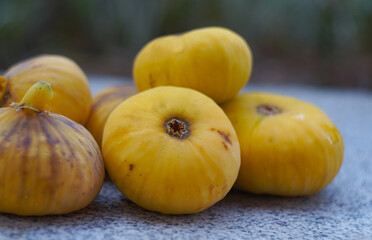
[[37, 97]]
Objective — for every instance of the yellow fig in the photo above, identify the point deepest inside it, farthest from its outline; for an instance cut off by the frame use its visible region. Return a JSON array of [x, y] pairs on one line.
[[289, 147], [49, 164], [103, 103], [171, 150], [72, 97], [212, 60]]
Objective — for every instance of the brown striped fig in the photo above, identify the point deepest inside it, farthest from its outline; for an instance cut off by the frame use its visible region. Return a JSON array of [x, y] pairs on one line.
[[104, 102], [72, 97], [49, 164]]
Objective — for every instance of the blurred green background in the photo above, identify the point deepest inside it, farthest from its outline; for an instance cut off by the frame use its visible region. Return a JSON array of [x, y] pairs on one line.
[[319, 42]]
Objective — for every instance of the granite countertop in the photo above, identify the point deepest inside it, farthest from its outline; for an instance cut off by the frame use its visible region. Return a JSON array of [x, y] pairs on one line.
[[343, 210]]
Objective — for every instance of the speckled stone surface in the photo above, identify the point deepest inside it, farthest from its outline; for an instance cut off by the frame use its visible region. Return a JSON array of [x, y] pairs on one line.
[[341, 211]]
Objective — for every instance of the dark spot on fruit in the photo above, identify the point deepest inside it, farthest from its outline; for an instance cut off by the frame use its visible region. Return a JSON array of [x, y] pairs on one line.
[[27, 142], [151, 81], [131, 166], [225, 136], [225, 146], [268, 109], [213, 129]]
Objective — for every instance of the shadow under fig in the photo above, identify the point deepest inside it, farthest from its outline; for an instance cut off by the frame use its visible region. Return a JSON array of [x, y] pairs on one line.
[[111, 206]]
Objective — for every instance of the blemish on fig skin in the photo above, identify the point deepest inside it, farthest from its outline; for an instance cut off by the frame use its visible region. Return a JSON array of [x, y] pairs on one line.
[[131, 166], [151, 81], [27, 142], [225, 146], [225, 136], [268, 109]]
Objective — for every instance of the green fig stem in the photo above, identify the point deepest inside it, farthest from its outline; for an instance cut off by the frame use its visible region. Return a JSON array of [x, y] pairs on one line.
[[36, 98]]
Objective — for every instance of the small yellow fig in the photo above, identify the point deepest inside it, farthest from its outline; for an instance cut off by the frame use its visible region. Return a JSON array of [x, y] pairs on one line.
[[212, 60], [171, 150], [49, 164], [288, 147], [103, 103], [72, 97]]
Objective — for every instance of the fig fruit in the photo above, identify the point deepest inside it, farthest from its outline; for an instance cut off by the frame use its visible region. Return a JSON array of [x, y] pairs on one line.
[[103, 103], [171, 150], [49, 164], [212, 60], [289, 147], [72, 97]]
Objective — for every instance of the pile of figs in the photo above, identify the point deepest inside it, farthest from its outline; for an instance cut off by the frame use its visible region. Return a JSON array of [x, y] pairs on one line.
[[176, 142]]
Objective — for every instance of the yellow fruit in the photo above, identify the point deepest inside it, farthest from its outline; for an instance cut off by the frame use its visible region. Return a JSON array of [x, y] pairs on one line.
[[213, 60], [49, 164], [288, 147], [72, 97], [103, 103], [171, 150]]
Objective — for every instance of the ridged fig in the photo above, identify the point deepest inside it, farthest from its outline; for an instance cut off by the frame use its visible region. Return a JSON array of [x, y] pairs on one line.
[[49, 164]]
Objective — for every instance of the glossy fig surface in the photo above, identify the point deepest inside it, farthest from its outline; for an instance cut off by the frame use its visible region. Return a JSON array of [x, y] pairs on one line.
[[171, 150], [212, 60], [289, 147]]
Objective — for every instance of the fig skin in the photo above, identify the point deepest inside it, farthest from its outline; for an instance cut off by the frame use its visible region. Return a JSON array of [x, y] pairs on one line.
[[289, 147], [49, 164], [103, 103], [212, 60], [171, 173], [72, 97]]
